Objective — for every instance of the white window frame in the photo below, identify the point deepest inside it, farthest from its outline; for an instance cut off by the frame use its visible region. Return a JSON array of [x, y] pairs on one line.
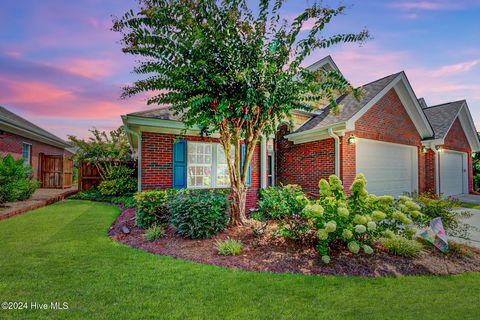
[[214, 171], [27, 161]]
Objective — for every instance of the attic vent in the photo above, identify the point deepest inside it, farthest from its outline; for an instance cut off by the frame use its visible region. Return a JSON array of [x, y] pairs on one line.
[[422, 102]]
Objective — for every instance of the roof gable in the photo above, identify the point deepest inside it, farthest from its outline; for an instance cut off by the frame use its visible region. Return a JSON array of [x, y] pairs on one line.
[[351, 110], [444, 116], [326, 63]]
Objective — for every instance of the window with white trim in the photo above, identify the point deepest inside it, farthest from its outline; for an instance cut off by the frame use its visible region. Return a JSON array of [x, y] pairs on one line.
[[27, 153], [206, 166]]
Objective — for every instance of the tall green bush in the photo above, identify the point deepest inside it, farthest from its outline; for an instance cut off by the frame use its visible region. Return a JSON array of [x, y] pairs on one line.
[[152, 208], [199, 213], [285, 205], [120, 181], [16, 182]]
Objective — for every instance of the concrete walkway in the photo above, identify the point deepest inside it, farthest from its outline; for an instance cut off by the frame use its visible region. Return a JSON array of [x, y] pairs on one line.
[[474, 221], [40, 198], [468, 198]]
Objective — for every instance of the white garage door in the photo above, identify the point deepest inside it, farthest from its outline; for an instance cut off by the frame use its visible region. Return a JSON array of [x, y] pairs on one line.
[[390, 168], [451, 173]]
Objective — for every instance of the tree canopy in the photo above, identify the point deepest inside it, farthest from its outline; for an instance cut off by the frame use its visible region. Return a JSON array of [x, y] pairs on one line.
[[227, 68]]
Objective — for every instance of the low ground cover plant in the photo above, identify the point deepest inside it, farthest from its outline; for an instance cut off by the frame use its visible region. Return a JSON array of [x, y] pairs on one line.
[[95, 195], [357, 220], [402, 246], [433, 206], [229, 247], [154, 232], [16, 181]]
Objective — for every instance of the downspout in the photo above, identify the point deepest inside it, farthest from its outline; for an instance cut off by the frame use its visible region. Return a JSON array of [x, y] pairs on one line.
[[437, 168], [139, 157], [263, 162], [337, 151]]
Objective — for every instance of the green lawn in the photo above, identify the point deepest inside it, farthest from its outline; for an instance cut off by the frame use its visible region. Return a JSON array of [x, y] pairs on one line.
[[62, 253]]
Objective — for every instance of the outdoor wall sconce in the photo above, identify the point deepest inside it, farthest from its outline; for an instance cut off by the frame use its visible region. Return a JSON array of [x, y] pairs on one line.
[[424, 149], [351, 139], [439, 149], [474, 154]]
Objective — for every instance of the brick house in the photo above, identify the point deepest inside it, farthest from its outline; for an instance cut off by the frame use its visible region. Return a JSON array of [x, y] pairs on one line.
[[394, 138], [23, 139]]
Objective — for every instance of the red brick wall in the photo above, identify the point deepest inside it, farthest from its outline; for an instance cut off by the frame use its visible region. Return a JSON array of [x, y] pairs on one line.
[[388, 121], [304, 164], [12, 143], [347, 161], [456, 138], [430, 171], [157, 155]]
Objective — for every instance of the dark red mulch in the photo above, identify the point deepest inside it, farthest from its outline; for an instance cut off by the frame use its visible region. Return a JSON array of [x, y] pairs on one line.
[[277, 255]]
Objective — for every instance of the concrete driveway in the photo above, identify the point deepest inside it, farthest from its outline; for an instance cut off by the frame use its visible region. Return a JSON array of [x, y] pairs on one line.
[[474, 220]]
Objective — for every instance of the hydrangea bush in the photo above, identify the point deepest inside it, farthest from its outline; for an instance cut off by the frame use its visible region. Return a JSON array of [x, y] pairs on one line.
[[357, 220]]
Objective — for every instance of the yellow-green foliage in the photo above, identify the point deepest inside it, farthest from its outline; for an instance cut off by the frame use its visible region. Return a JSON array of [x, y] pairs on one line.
[[401, 246], [229, 247]]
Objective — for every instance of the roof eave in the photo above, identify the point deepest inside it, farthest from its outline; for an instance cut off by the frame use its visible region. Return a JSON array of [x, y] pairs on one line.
[[9, 127]]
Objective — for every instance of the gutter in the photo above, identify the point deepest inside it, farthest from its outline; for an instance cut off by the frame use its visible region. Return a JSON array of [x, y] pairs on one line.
[[337, 151], [139, 156]]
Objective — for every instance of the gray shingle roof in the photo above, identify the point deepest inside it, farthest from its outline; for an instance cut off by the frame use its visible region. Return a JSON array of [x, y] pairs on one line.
[[19, 122], [442, 116], [349, 105], [163, 113]]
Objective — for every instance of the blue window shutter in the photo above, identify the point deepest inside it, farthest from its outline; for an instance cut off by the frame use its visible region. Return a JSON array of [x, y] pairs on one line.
[[180, 164], [249, 175]]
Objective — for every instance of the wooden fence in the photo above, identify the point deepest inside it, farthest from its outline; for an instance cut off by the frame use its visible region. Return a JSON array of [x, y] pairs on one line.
[[89, 177], [56, 172]]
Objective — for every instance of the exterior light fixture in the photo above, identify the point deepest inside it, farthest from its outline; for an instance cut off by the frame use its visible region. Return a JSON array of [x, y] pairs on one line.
[[351, 139], [424, 149], [439, 149], [474, 154]]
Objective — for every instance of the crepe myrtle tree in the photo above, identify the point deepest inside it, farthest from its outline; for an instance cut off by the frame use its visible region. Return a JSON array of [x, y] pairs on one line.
[[230, 69]]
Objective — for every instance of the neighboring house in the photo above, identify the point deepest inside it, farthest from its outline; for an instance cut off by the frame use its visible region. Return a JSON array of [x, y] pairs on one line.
[[23, 139], [395, 139]]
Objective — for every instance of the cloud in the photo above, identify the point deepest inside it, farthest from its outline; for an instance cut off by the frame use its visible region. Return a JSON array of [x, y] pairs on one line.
[[428, 5], [90, 68], [455, 68], [62, 93]]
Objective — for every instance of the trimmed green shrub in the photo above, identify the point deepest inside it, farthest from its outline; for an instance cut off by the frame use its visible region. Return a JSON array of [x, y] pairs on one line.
[[432, 206], [95, 195], [121, 181], [229, 247], [284, 204], [154, 232], [402, 246], [16, 181], [199, 213], [152, 208]]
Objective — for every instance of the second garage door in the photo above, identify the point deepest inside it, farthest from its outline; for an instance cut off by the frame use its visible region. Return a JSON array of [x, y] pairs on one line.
[[390, 168], [452, 173]]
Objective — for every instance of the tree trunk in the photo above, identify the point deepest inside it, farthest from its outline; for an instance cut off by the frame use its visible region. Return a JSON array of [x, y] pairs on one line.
[[238, 200]]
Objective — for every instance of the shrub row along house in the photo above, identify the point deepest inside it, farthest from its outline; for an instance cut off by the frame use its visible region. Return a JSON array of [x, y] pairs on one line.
[[43, 151], [399, 142]]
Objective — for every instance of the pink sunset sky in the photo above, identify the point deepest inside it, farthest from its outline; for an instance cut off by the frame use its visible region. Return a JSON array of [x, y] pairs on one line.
[[62, 68]]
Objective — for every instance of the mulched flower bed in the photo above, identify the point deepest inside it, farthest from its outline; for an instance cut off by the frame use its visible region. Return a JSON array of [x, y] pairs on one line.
[[265, 253]]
